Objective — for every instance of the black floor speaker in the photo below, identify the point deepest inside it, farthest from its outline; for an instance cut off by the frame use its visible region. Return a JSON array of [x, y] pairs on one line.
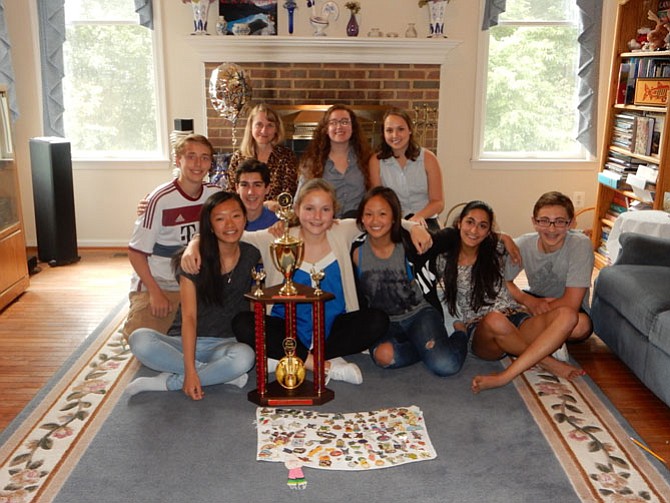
[[53, 194]]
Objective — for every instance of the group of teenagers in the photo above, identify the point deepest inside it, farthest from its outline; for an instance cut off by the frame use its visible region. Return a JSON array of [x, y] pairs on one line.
[[372, 228]]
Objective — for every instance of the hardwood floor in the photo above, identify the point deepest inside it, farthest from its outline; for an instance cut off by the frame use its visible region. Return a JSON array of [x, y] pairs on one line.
[[64, 304]]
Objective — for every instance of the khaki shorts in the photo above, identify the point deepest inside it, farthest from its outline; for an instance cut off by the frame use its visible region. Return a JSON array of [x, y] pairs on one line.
[[139, 314]]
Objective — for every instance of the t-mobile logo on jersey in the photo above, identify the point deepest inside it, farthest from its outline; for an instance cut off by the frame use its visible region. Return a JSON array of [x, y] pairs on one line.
[[187, 232]]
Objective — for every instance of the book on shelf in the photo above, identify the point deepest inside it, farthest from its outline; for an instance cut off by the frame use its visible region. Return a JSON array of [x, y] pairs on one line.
[[649, 68], [644, 127], [617, 208], [624, 72], [610, 178], [610, 218], [657, 133], [648, 172], [620, 200]]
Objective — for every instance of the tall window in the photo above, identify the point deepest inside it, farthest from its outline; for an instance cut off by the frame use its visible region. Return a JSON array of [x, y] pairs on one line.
[[111, 106], [530, 106]]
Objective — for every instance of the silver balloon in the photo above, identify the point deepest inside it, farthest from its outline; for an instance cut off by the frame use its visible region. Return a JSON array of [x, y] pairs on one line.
[[229, 90]]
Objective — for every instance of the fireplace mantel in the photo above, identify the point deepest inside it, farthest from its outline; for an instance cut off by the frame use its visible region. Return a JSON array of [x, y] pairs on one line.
[[212, 49]]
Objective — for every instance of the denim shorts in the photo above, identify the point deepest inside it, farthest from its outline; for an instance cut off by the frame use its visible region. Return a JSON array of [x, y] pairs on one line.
[[515, 317]]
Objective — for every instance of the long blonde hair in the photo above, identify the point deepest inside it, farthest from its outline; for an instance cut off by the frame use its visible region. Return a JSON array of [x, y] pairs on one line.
[[248, 145]]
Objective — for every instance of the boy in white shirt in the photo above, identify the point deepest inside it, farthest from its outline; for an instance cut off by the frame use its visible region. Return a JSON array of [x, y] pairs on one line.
[[170, 220]]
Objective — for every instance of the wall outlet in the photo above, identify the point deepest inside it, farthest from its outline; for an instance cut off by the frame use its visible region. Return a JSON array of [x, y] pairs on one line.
[[578, 199]]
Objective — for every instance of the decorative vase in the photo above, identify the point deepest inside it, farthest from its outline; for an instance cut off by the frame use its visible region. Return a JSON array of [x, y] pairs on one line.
[[221, 26], [411, 31], [200, 12], [436, 10], [319, 24], [290, 6], [352, 26]]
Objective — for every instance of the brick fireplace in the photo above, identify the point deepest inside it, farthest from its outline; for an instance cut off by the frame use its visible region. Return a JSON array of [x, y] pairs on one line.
[[317, 71]]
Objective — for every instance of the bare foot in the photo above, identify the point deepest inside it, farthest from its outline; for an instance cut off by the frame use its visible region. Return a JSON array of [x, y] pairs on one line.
[[562, 369], [459, 326], [482, 383]]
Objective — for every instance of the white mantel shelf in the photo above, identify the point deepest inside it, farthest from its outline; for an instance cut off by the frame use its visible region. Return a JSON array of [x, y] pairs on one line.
[[213, 49]]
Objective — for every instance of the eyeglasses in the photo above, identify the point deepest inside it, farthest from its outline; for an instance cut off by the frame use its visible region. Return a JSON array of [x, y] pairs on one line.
[[341, 122], [559, 223]]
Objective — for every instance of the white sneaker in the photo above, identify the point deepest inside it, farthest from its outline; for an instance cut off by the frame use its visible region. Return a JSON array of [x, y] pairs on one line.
[[240, 382], [340, 370], [562, 354], [272, 365]]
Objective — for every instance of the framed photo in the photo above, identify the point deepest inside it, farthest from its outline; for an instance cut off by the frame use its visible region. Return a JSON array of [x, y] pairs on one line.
[[259, 15], [651, 91]]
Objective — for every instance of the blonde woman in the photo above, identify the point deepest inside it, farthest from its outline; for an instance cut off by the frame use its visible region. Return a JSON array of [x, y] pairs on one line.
[[263, 135]]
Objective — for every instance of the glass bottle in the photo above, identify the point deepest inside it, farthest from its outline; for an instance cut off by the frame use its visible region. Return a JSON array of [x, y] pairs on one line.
[[411, 31]]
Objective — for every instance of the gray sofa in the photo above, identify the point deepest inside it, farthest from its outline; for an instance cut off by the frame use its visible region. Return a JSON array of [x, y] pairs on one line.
[[631, 309]]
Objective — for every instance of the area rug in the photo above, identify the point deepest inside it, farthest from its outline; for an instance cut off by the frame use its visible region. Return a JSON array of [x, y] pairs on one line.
[[541, 439]]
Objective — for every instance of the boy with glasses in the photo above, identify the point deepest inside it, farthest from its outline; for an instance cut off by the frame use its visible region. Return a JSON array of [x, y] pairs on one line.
[[558, 263]]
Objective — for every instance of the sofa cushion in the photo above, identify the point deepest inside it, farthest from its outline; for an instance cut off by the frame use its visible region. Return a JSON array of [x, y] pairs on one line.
[[660, 331], [640, 293]]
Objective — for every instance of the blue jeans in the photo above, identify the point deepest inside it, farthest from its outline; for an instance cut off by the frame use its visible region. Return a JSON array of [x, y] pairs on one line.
[[423, 337], [217, 360]]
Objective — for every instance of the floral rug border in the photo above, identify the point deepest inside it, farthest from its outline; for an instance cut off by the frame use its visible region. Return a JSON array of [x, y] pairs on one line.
[[38, 457], [591, 444]]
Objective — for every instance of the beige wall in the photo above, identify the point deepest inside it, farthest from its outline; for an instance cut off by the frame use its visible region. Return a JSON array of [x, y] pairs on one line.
[[106, 195]]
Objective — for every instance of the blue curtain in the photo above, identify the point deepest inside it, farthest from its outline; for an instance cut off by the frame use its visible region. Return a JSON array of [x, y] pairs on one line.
[[590, 16], [51, 15], [145, 9], [6, 68], [492, 10]]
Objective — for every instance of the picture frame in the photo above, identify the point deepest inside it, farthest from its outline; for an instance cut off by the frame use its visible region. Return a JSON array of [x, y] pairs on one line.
[[260, 16], [652, 91]]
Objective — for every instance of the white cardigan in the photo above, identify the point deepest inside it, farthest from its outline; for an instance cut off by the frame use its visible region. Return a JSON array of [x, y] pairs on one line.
[[340, 237]]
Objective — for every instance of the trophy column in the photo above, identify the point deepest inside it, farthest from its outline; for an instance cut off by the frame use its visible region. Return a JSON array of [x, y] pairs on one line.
[[307, 393]]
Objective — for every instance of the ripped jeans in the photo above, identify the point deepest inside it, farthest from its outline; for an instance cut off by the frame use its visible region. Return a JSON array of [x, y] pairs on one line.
[[422, 336]]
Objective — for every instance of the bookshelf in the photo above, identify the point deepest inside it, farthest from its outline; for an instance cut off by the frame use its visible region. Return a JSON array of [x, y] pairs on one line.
[[13, 262], [634, 172]]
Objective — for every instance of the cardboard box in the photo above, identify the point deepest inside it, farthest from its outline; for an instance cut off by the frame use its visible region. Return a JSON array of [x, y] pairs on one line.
[[651, 91]]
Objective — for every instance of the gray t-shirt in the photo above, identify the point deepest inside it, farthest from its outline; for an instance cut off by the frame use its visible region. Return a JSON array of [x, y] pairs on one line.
[[550, 273], [216, 320], [387, 284]]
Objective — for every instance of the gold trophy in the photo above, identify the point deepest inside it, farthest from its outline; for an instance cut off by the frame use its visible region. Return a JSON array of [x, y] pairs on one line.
[[287, 251], [317, 276], [290, 369], [258, 274]]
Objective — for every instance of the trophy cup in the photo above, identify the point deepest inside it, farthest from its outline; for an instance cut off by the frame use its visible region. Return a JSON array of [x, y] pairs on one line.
[[317, 276], [287, 251], [258, 274], [290, 369]]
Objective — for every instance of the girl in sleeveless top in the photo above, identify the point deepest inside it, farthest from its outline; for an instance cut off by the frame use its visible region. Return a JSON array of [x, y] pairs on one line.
[[412, 171]]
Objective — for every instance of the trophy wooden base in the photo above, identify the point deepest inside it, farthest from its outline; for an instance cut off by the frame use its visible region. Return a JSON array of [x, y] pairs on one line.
[[309, 392], [277, 396]]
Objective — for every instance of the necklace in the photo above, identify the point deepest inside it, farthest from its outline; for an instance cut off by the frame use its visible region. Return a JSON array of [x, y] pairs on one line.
[[228, 275]]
